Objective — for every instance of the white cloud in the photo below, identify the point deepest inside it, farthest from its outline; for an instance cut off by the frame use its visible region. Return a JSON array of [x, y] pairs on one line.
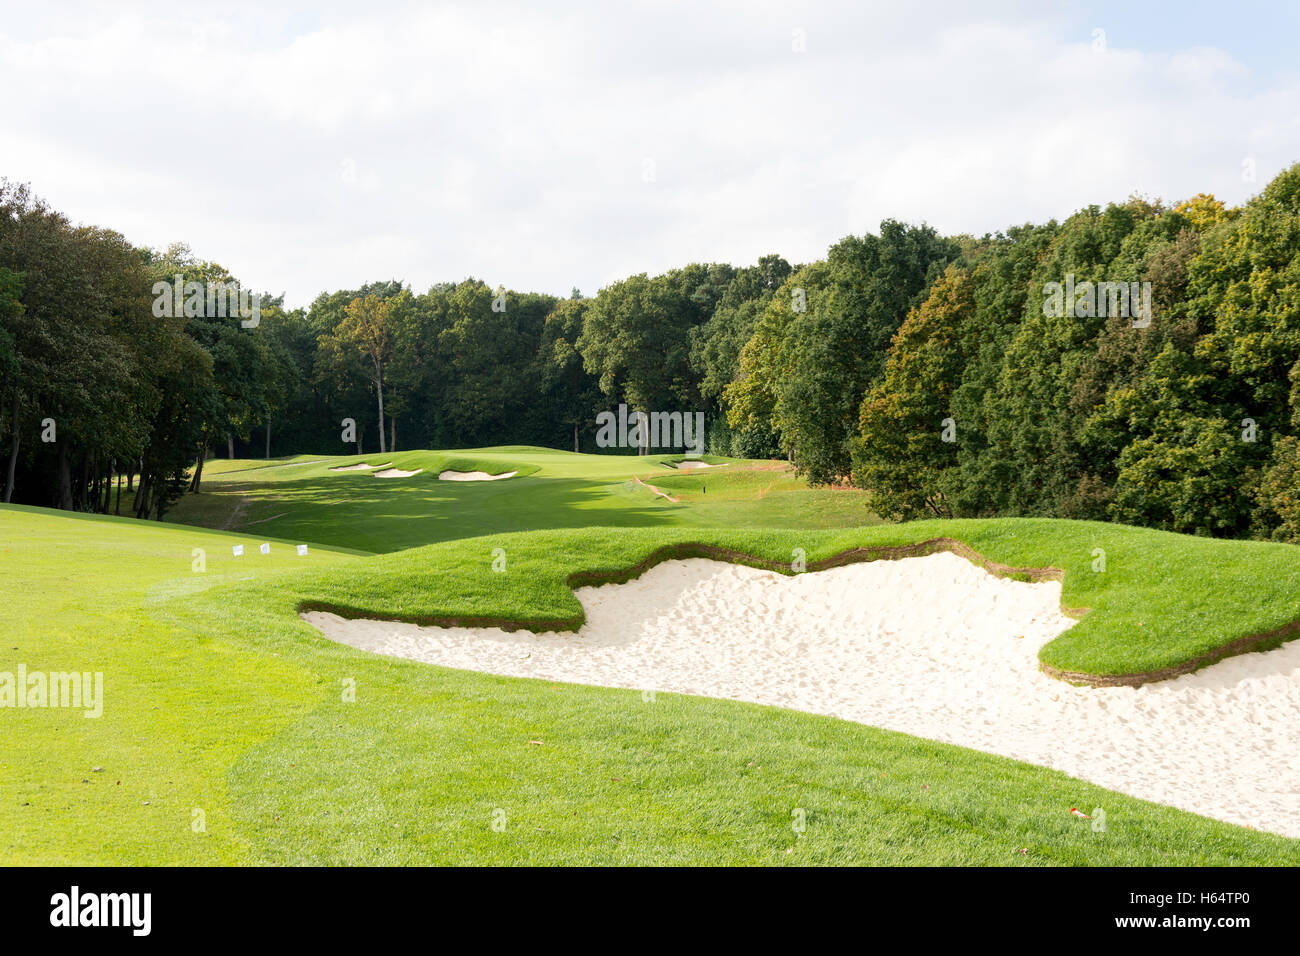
[[309, 152]]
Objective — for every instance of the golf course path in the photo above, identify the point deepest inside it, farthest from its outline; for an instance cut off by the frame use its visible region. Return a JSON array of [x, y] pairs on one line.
[[655, 490], [930, 646]]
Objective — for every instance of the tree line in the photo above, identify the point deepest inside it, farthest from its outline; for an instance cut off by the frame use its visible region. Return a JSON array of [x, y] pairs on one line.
[[940, 374]]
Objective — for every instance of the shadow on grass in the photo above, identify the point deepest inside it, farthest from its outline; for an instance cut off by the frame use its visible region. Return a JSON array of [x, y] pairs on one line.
[[353, 510]]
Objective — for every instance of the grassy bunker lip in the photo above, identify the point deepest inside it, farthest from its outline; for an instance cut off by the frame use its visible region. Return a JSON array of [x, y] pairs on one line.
[[357, 466], [686, 550], [1251, 643]]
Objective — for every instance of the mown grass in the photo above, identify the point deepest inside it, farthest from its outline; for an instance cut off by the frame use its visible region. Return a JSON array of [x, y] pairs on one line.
[[298, 750], [302, 497], [86, 593]]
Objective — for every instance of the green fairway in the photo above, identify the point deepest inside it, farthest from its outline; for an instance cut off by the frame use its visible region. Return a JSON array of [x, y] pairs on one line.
[[94, 594], [222, 707], [303, 497]]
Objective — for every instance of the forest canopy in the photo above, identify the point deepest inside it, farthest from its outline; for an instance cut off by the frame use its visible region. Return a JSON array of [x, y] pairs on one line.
[[1137, 362]]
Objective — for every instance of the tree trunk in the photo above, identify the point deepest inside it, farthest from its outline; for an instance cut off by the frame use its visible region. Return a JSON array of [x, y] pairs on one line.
[[230, 446], [82, 498], [198, 469], [13, 454], [142, 497], [379, 390], [268, 436], [118, 509], [65, 478], [575, 438], [392, 436]]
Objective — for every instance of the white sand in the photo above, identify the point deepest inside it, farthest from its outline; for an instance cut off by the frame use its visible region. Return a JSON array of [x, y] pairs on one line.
[[361, 467], [397, 473], [474, 475], [930, 646], [687, 464]]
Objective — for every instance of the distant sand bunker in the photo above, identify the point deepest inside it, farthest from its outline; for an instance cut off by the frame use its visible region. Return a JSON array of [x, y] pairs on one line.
[[397, 473], [688, 463], [361, 467], [474, 476], [930, 646]]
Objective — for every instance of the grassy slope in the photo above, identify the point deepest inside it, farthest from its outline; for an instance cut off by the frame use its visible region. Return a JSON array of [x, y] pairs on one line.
[[222, 699], [301, 497]]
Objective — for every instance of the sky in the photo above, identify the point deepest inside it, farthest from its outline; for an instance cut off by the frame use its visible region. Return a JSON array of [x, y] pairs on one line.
[[314, 147]]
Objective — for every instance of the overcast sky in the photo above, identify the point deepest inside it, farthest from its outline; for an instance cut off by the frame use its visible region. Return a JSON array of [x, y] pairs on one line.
[[547, 146]]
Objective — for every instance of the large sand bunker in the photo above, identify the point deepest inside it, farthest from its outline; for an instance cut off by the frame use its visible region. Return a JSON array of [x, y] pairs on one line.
[[931, 646], [474, 475], [397, 473]]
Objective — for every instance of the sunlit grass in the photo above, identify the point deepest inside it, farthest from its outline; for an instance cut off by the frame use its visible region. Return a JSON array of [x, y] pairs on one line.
[[303, 497], [220, 701]]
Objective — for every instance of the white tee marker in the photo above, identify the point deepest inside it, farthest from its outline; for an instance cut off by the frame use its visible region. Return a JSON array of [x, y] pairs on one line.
[[238, 550], [302, 550], [265, 548]]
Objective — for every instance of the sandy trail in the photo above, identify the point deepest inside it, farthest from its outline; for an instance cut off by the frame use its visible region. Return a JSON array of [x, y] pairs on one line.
[[265, 520], [655, 490], [930, 646]]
